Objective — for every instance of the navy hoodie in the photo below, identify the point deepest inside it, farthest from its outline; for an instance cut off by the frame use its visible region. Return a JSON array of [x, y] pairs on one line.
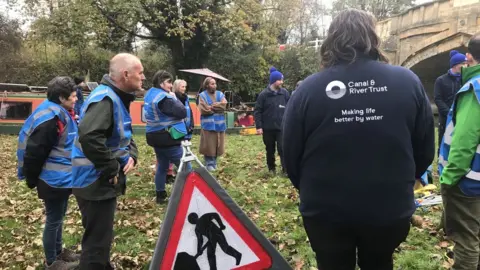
[[269, 109], [355, 138], [446, 87]]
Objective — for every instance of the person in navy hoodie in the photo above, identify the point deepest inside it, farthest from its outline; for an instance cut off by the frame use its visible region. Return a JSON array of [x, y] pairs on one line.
[[269, 109], [446, 86], [356, 136]]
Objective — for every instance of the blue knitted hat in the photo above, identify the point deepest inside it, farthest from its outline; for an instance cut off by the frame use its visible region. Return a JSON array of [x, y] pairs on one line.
[[456, 58], [275, 75]]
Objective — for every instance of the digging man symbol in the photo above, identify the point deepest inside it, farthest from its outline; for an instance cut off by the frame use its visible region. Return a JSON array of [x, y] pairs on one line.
[[206, 227]]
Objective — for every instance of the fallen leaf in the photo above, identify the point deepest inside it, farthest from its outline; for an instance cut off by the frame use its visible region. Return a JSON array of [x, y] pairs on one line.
[[443, 244], [447, 265], [299, 265]]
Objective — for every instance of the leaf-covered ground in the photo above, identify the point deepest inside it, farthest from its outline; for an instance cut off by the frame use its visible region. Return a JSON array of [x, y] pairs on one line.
[[269, 201]]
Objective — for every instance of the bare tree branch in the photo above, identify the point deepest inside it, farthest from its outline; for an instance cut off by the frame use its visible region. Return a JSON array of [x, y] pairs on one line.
[[113, 21]]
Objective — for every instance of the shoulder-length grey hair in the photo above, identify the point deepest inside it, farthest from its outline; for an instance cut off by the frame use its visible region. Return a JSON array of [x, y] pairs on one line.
[[177, 83], [351, 32]]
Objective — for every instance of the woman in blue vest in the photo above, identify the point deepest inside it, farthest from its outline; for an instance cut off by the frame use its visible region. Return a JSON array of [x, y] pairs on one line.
[[180, 90], [44, 146], [166, 128], [212, 105]]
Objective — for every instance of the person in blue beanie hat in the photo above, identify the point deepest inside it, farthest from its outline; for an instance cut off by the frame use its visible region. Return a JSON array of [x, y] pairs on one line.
[[446, 86], [269, 109]]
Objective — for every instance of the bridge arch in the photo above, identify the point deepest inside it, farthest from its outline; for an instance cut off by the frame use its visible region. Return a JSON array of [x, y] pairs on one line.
[[436, 46], [434, 60]]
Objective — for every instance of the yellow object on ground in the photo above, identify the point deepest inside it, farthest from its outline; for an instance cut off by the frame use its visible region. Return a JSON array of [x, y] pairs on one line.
[[429, 187], [248, 131], [418, 185]]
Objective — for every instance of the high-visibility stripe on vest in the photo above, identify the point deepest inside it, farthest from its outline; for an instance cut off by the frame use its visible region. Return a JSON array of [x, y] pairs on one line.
[[156, 120], [188, 118], [57, 169], [470, 183], [83, 170], [215, 122]]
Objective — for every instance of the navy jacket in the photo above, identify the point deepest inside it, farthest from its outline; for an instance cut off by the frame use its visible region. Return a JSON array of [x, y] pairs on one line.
[[269, 109], [446, 86], [355, 138]]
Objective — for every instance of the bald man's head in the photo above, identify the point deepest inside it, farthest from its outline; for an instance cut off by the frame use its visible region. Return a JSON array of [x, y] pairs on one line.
[[126, 71]]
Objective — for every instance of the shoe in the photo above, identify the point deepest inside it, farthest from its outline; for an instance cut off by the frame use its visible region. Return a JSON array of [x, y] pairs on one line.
[[61, 265], [210, 168], [162, 197], [68, 255]]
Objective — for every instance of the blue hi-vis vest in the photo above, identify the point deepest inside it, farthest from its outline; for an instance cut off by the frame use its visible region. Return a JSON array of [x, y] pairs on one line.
[[156, 120], [426, 175], [470, 183], [83, 170], [215, 122], [188, 118], [57, 170]]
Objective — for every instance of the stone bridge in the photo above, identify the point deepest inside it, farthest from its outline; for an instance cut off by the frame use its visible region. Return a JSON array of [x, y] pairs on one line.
[[422, 37]]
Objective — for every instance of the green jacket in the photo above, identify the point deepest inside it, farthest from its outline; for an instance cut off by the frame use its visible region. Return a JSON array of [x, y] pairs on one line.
[[466, 136]]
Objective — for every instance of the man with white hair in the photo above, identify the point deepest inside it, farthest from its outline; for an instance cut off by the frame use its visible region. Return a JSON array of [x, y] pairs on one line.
[[103, 154]]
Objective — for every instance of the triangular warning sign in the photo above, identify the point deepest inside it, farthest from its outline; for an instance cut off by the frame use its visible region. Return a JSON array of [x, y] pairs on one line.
[[204, 229]]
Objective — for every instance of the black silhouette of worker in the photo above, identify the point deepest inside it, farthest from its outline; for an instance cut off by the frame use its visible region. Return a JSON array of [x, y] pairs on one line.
[[204, 226]]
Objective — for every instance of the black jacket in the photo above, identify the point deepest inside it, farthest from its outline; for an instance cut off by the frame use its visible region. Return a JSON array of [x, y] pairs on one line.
[[355, 138], [183, 98], [94, 129], [173, 108], [446, 86], [39, 145], [269, 109]]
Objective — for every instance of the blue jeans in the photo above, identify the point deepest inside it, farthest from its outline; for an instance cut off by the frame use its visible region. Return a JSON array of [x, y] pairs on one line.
[[211, 161], [165, 155], [52, 234]]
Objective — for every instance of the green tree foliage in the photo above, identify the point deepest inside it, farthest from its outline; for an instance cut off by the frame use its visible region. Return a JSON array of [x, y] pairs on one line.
[[297, 64], [381, 9], [77, 24], [10, 45], [237, 38]]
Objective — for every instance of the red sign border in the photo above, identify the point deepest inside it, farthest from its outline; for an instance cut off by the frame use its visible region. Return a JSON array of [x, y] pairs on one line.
[[195, 180]]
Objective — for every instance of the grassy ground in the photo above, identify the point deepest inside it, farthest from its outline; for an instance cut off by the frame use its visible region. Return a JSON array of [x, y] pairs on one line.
[[270, 202]]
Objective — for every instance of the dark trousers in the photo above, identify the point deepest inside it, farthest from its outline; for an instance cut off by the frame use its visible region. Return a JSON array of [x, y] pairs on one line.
[[270, 138], [441, 131], [337, 246], [97, 220], [55, 210], [165, 155], [462, 225]]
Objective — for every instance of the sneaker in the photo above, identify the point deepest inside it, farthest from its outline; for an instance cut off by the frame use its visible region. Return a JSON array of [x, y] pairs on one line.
[[210, 168], [68, 255], [61, 265], [162, 197]]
